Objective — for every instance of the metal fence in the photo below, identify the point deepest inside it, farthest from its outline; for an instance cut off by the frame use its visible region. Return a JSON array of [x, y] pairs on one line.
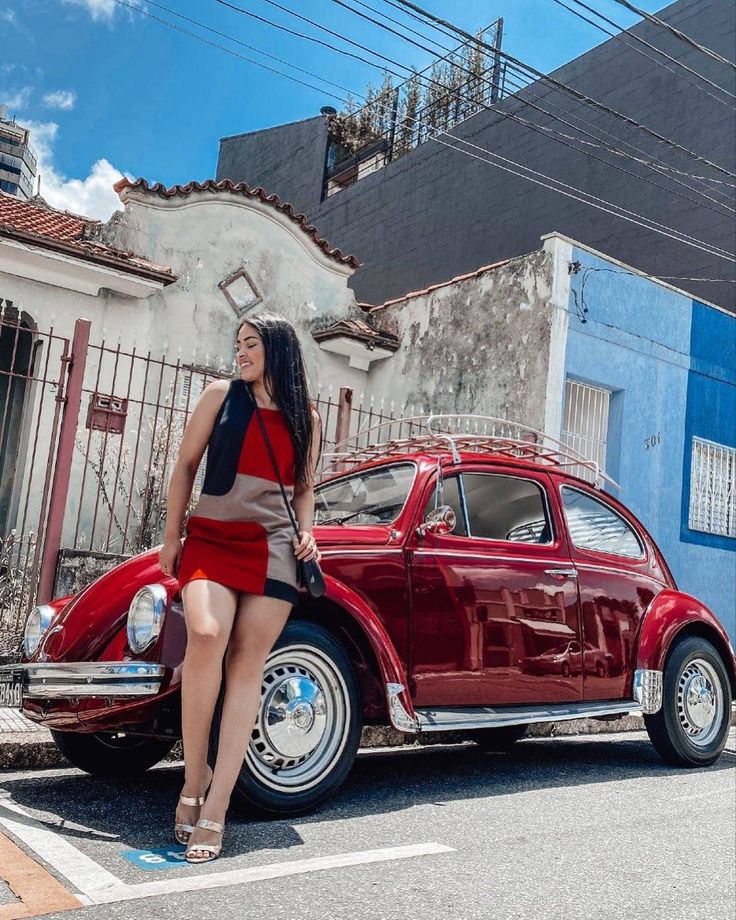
[[33, 371]]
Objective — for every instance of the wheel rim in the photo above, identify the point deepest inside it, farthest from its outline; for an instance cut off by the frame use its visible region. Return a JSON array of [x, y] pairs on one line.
[[700, 702], [303, 721]]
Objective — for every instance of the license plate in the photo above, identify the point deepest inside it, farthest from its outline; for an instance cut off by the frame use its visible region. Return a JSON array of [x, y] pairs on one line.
[[11, 691]]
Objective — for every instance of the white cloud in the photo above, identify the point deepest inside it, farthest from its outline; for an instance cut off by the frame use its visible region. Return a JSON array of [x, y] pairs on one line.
[[92, 196], [8, 16], [16, 100], [60, 99], [102, 10]]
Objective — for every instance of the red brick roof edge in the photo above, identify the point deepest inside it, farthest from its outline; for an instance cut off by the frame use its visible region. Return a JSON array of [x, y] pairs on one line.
[[239, 188]]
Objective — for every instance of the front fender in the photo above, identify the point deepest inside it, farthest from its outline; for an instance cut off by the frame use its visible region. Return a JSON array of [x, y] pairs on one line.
[[393, 676], [669, 614]]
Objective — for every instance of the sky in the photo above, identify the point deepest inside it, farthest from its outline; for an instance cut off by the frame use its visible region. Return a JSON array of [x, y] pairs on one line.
[[108, 91]]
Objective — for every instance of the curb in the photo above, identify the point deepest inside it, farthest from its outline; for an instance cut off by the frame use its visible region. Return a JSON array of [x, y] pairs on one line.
[[35, 750]]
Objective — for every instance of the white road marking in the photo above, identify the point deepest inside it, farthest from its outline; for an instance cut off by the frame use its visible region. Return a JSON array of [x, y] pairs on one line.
[[258, 873], [98, 886], [84, 873]]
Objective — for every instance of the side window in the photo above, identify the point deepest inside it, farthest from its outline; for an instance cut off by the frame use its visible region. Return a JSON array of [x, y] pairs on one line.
[[451, 497], [506, 508], [595, 526]]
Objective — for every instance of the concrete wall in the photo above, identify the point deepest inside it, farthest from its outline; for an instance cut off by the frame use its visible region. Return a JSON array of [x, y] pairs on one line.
[[272, 153], [436, 213], [637, 341], [480, 345]]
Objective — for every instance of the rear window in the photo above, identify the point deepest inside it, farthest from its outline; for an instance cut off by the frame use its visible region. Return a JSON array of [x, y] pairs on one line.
[[595, 526]]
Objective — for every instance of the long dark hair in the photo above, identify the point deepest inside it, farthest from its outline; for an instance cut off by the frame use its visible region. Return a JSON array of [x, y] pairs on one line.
[[285, 378]]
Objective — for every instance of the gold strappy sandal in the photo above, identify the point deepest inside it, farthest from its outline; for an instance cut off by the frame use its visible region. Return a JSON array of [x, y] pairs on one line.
[[181, 829], [212, 850]]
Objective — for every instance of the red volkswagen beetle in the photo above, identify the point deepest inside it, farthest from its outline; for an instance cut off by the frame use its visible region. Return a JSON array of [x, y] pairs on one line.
[[459, 568]]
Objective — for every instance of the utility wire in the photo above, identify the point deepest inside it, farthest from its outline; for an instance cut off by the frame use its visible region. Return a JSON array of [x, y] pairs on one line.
[[237, 41], [237, 54], [628, 216], [603, 205], [623, 34], [662, 167], [681, 35], [647, 163], [566, 88]]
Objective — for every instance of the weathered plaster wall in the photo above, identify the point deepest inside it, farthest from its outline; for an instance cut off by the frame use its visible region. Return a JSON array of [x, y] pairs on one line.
[[480, 345]]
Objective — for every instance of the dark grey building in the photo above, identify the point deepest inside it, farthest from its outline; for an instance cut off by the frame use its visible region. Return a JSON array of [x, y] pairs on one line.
[[435, 212], [18, 163]]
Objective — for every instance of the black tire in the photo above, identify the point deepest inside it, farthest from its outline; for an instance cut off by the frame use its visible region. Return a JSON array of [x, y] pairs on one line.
[[111, 755], [675, 736], [274, 781], [565, 669], [498, 739]]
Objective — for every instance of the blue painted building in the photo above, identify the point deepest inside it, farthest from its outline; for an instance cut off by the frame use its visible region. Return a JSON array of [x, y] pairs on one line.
[[650, 386]]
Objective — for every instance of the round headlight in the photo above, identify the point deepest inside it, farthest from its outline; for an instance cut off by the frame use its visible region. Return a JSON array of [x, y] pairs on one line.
[[146, 617], [39, 620]]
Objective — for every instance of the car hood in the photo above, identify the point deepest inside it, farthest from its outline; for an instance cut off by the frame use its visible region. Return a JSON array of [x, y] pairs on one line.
[[93, 617], [352, 535]]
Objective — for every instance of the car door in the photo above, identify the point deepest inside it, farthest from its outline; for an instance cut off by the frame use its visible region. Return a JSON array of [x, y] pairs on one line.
[[492, 597], [618, 577]]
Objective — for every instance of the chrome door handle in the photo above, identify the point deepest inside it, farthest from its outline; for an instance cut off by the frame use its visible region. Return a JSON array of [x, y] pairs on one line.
[[562, 573]]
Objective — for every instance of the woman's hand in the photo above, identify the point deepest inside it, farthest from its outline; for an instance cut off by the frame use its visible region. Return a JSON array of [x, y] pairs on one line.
[[168, 557], [305, 548]]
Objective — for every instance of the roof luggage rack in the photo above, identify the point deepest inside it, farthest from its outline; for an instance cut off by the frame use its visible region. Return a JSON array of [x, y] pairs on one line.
[[478, 434]]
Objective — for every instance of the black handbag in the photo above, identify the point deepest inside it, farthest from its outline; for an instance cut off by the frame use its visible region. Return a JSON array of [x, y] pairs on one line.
[[308, 572]]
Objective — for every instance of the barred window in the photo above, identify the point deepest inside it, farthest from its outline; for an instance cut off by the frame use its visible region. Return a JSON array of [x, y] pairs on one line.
[[713, 488], [585, 424]]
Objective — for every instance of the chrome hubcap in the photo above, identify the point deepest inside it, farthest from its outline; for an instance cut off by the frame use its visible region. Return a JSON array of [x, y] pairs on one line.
[[303, 722], [699, 702]]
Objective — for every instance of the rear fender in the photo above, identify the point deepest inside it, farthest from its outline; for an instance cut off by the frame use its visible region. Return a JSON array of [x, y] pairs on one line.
[[672, 615]]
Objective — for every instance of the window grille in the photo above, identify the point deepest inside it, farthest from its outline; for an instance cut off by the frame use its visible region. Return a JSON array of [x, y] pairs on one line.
[[585, 424], [713, 488]]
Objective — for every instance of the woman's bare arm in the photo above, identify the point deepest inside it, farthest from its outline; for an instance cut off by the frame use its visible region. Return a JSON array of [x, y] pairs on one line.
[[303, 500], [193, 444]]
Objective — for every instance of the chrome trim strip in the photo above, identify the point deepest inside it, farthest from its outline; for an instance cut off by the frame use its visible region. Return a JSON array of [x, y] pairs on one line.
[[400, 718], [458, 718], [81, 679], [647, 689]]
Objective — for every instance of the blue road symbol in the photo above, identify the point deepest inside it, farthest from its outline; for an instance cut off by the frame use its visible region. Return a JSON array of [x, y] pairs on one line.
[[161, 858]]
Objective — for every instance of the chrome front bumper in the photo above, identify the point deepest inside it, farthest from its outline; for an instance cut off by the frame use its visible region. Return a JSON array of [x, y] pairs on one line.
[[66, 680]]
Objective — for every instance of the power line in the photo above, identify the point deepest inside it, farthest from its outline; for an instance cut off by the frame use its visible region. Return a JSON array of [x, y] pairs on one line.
[[646, 223], [646, 162], [623, 34], [566, 88], [681, 35], [206, 41], [569, 192]]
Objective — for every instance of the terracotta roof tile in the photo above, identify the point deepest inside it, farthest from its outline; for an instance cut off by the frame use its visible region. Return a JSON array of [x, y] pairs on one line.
[[37, 224], [239, 188], [361, 331]]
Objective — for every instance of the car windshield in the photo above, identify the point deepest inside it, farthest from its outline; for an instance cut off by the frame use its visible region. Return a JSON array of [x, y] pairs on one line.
[[372, 497]]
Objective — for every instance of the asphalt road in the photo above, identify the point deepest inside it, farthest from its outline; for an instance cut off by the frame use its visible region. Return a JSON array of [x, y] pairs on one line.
[[591, 826]]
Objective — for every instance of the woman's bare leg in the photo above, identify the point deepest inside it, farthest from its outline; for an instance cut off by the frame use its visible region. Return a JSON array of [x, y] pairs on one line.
[[209, 612], [258, 624]]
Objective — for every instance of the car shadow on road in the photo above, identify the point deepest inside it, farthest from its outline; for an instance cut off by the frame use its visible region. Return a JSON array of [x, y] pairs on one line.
[[139, 811]]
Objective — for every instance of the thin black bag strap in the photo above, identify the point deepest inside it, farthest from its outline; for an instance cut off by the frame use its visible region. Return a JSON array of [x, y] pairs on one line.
[[271, 454]]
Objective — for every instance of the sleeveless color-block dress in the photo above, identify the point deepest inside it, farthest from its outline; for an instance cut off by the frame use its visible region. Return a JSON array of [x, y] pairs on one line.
[[239, 533]]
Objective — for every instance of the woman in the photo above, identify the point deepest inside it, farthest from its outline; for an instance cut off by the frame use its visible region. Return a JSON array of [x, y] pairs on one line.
[[237, 566]]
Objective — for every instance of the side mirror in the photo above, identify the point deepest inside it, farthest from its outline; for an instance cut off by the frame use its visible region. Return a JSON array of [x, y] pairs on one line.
[[440, 521]]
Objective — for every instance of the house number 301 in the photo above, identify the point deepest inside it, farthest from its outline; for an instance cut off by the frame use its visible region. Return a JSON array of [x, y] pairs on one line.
[[652, 441]]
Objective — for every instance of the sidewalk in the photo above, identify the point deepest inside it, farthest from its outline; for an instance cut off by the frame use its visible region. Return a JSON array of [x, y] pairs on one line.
[[26, 745]]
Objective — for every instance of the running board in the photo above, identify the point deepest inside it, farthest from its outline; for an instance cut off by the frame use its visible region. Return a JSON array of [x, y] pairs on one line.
[[464, 718]]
